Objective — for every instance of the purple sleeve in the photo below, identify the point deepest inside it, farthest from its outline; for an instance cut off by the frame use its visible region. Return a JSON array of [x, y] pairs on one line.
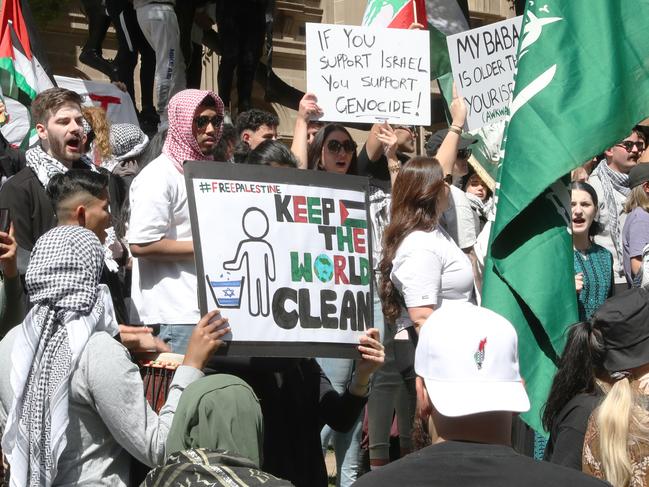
[[638, 232]]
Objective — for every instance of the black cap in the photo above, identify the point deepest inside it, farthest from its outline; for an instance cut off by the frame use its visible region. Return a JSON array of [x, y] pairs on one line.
[[623, 321], [435, 140], [638, 174]]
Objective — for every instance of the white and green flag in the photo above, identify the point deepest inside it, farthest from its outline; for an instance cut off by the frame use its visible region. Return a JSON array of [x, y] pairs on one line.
[[582, 84]]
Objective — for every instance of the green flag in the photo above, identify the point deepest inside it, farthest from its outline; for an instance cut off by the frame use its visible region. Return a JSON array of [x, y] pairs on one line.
[[581, 86]]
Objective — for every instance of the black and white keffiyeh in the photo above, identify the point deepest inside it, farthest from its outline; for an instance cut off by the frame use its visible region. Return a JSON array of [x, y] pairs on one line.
[[45, 166], [127, 141], [62, 282], [613, 181]]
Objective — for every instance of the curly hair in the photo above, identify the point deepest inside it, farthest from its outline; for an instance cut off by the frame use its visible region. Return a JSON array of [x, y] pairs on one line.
[[415, 206], [255, 118], [96, 117]]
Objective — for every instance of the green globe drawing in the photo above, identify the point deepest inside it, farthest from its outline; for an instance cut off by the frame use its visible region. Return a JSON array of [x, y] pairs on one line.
[[324, 268]]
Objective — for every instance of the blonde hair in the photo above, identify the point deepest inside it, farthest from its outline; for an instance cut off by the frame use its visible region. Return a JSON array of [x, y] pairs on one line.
[[637, 198], [622, 423], [96, 117]]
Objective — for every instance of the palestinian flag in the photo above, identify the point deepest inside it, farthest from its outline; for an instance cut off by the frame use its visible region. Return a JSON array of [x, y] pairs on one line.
[[353, 214], [22, 76], [397, 14]]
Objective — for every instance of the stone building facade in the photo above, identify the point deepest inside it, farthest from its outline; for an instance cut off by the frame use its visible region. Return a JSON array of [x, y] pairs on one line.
[[64, 37]]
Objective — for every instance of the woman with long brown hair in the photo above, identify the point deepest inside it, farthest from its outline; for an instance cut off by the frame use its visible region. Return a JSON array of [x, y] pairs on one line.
[[421, 265]]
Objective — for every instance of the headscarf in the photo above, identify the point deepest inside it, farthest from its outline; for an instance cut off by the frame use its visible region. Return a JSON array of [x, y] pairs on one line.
[[127, 141], [62, 282], [181, 145], [218, 412]]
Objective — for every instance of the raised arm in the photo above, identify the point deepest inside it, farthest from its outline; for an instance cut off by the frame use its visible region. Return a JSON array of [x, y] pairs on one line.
[[447, 152], [308, 108]]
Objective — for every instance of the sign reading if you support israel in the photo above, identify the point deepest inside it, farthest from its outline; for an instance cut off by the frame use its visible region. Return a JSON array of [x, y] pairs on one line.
[[483, 61], [369, 74], [285, 256]]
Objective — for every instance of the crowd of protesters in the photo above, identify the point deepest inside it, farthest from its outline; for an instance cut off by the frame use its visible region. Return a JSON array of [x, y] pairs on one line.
[[97, 263]]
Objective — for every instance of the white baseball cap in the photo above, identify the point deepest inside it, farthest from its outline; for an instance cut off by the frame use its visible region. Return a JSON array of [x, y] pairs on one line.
[[468, 358]]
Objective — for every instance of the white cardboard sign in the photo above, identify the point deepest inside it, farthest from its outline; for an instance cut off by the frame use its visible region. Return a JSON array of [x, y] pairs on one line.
[[368, 75], [483, 62], [285, 258]]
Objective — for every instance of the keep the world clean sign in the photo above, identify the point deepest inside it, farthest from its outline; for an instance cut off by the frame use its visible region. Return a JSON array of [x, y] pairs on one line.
[[286, 260]]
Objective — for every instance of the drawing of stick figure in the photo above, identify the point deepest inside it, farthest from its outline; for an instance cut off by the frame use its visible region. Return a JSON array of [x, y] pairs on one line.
[[259, 261]]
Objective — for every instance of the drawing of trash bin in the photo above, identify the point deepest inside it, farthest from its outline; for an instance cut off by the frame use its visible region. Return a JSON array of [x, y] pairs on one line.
[[226, 291]]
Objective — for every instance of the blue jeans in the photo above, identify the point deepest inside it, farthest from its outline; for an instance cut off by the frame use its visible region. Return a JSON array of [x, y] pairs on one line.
[[347, 446], [176, 336]]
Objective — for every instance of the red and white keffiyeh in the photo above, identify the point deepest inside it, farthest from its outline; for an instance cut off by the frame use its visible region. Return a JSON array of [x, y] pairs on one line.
[[181, 145]]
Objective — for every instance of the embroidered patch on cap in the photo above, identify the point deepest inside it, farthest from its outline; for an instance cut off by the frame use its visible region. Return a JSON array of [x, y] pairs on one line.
[[479, 355]]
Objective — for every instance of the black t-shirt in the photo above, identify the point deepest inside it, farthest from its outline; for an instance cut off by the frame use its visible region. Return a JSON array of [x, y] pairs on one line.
[[458, 463], [566, 442], [377, 169]]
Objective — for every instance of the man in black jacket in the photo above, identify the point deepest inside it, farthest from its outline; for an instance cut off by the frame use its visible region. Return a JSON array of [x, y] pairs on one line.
[[57, 115]]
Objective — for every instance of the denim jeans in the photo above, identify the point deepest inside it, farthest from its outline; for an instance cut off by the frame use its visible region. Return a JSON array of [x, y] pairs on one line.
[[347, 446], [176, 336]]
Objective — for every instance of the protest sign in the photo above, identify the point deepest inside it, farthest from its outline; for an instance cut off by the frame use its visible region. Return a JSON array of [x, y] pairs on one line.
[[285, 257], [483, 62], [367, 75]]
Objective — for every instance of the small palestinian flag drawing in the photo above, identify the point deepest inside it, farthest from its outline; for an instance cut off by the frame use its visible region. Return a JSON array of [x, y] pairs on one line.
[[479, 355], [353, 214]]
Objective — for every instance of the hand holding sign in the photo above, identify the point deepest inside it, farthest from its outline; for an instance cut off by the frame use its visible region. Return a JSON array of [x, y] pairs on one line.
[[205, 339], [309, 109], [458, 109], [372, 358]]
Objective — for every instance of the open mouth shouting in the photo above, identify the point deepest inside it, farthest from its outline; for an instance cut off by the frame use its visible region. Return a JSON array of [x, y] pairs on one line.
[[73, 144]]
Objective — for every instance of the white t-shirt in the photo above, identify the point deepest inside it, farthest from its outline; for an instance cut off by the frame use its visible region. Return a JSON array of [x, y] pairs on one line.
[[429, 268], [162, 292]]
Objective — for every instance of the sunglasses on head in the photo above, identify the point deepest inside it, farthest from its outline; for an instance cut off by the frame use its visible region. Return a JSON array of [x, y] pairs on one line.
[[464, 153], [628, 145], [334, 146], [202, 121]]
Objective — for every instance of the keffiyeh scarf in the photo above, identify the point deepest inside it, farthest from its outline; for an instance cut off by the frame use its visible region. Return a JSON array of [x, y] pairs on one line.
[[613, 181], [127, 141], [180, 144], [45, 166], [69, 306]]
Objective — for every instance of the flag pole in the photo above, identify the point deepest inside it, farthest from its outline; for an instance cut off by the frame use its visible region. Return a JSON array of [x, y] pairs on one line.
[[414, 11]]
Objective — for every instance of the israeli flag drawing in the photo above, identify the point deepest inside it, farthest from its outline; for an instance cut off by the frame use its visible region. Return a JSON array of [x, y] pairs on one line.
[[226, 291]]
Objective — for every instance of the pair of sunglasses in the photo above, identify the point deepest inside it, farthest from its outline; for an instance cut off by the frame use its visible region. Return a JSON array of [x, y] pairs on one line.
[[629, 144], [203, 121], [334, 146]]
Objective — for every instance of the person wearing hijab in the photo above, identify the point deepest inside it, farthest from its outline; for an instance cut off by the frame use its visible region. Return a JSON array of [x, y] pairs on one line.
[[71, 400], [216, 437], [164, 283]]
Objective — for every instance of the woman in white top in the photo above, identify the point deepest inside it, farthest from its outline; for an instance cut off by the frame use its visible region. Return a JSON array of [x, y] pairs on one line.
[[421, 266]]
